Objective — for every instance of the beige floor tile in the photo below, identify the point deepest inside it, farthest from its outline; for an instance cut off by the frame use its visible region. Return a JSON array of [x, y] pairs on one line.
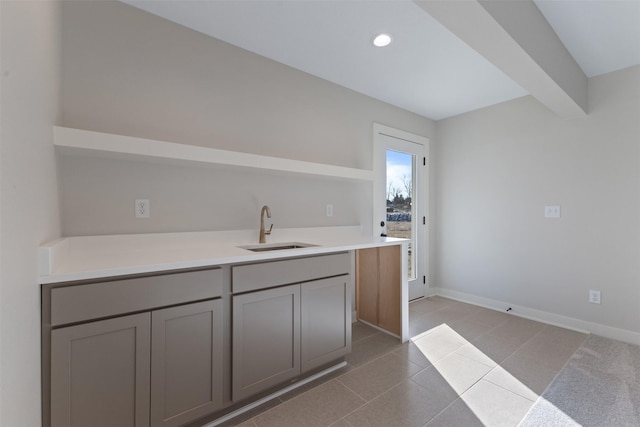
[[489, 318], [361, 330], [378, 376], [371, 348], [441, 342], [562, 335], [247, 416], [469, 329], [412, 353], [497, 348], [407, 405], [340, 423], [539, 360], [518, 328], [457, 414], [319, 407], [470, 351], [424, 324], [433, 381], [438, 298], [459, 310], [450, 313], [456, 351], [503, 378], [530, 371], [315, 383], [425, 306], [553, 346], [461, 372], [496, 406]]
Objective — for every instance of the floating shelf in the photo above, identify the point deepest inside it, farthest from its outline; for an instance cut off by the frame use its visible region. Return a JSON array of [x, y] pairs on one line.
[[69, 139]]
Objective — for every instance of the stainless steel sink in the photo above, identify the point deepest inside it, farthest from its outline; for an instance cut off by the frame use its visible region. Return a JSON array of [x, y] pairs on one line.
[[276, 246]]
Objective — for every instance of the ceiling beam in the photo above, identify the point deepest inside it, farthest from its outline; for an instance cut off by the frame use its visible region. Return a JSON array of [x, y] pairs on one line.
[[515, 37]]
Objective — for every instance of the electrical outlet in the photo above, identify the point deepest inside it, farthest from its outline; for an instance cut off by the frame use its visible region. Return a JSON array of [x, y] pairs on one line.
[[552, 211], [329, 210], [143, 208], [594, 297]]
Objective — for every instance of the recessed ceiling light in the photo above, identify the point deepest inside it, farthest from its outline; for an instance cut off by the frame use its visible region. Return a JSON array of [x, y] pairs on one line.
[[381, 40]]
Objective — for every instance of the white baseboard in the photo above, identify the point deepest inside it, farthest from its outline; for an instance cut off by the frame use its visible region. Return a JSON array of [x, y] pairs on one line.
[[542, 316]]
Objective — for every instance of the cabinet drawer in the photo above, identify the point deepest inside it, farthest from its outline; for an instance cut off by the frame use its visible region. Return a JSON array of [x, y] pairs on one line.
[[251, 277], [84, 302]]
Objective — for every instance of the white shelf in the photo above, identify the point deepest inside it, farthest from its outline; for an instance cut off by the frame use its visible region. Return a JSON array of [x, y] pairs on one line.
[[69, 139]]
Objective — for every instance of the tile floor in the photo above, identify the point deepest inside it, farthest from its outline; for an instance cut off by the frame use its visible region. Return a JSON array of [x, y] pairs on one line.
[[464, 366]]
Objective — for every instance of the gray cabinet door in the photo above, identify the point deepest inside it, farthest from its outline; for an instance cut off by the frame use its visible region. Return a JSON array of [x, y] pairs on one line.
[[266, 339], [100, 373], [186, 362], [326, 321]]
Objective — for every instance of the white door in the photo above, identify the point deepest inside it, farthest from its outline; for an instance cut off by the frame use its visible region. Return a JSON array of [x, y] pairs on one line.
[[400, 196]]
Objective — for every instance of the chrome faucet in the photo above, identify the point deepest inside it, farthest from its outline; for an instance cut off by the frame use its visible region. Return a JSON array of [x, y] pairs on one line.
[[263, 233]]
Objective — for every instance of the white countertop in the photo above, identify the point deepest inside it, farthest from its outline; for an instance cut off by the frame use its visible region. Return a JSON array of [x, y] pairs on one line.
[[93, 257]]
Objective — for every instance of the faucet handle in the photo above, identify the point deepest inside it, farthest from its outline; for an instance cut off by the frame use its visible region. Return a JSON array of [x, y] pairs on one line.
[[268, 232]]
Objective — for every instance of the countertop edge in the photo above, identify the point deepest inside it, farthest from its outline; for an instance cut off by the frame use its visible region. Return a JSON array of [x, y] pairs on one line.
[[58, 263]]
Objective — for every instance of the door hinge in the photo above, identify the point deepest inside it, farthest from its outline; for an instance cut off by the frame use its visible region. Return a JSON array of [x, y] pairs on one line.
[[424, 220], [424, 280], [424, 161]]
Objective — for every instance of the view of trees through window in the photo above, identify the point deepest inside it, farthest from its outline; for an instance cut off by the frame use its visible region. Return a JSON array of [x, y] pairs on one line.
[[399, 198]]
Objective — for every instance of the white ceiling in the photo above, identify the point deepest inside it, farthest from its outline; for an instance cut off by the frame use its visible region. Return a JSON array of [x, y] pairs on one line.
[[601, 35], [427, 69]]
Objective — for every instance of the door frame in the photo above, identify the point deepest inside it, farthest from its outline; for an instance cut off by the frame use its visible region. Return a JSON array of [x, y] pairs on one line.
[[381, 133]]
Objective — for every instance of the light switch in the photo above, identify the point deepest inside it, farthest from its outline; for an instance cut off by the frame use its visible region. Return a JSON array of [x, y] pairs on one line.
[[552, 211]]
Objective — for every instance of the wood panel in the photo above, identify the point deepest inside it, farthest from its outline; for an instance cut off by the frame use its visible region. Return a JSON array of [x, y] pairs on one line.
[[367, 285], [389, 286], [378, 287]]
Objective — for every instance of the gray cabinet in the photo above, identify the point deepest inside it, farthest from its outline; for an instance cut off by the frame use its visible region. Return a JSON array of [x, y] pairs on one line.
[[266, 339], [100, 373], [326, 321], [186, 362], [161, 367], [282, 332], [167, 350]]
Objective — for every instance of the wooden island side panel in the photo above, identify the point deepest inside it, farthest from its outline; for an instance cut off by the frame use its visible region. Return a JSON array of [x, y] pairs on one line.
[[378, 287]]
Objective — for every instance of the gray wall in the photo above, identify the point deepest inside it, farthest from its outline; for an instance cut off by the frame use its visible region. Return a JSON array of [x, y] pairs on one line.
[[28, 194], [496, 170], [98, 198], [129, 72]]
